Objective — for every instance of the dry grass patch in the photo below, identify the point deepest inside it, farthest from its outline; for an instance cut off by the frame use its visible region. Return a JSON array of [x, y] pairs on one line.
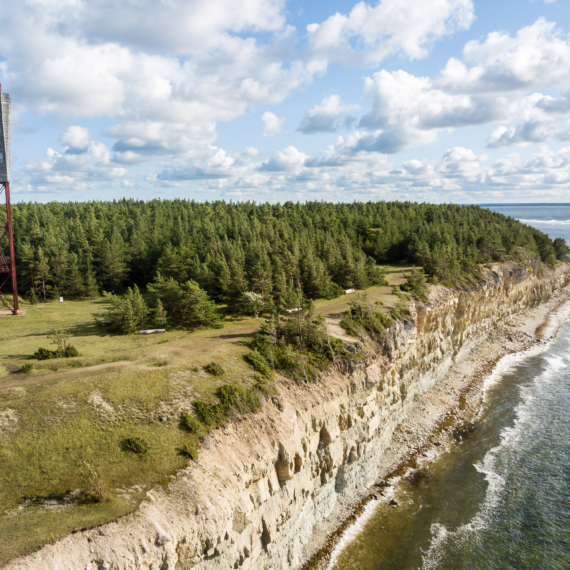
[[66, 414]]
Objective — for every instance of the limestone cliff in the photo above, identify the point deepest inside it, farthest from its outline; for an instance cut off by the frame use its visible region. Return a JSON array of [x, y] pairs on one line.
[[262, 484]]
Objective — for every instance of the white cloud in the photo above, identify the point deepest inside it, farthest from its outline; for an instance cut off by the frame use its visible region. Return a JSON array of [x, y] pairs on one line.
[[323, 117], [498, 88], [164, 77], [291, 160], [76, 138], [409, 111], [271, 124], [537, 57], [372, 33], [73, 170], [167, 73]]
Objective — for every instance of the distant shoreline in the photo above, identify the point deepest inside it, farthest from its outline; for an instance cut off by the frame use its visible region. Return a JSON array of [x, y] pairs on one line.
[[465, 389]]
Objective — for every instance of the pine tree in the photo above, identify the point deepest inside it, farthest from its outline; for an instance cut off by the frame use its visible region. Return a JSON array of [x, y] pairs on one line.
[[42, 272], [90, 287], [159, 315]]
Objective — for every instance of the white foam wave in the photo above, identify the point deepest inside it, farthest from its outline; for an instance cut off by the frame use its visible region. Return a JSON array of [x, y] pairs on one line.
[[495, 482], [510, 438], [547, 222], [353, 531], [511, 361]]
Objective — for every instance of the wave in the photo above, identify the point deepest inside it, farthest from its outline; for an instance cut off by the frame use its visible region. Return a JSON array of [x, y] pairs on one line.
[[352, 531], [509, 448], [547, 222]]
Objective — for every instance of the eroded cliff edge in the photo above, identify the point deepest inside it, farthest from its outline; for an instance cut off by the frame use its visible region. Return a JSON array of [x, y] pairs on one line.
[[263, 484]]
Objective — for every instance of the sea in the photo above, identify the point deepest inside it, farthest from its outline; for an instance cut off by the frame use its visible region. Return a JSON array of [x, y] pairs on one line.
[[500, 499]]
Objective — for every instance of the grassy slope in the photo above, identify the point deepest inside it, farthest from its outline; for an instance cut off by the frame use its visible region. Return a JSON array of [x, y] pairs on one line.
[[71, 411]]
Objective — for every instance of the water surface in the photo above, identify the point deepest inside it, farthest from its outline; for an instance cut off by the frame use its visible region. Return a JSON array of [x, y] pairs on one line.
[[500, 499]]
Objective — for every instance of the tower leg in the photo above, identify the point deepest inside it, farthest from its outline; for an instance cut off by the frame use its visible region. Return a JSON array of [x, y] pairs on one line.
[[10, 233]]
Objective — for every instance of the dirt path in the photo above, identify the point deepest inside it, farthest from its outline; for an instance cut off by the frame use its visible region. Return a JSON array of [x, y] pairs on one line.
[[22, 380]]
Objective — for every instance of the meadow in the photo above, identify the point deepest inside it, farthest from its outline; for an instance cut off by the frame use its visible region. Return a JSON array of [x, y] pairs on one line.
[[62, 422]]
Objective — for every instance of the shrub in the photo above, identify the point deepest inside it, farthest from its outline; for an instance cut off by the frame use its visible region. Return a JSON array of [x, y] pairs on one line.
[[28, 367], [189, 452], [45, 354], [208, 413], [70, 351], [135, 445], [416, 284], [229, 395], [259, 364], [93, 484], [125, 314], [214, 369], [367, 316], [190, 423], [261, 385], [188, 306], [250, 402]]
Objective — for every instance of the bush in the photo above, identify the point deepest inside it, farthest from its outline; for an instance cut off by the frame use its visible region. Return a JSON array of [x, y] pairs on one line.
[[249, 403], [261, 385], [208, 413], [93, 485], [70, 351], [125, 314], [46, 354], [189, 452], [190, 423], [259, 364], [415, 284], [135, 445], [28, 367], [214, 369], [188, 306], [365, 315]]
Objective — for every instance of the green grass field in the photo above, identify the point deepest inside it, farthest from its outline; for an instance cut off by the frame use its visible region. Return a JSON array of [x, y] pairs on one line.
[[66, 413]]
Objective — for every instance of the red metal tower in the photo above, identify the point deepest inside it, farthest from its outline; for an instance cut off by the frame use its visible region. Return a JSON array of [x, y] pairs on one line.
[[7, 266]]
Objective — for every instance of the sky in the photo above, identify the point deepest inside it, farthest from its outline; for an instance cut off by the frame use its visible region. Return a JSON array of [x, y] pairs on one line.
[[464, 101]]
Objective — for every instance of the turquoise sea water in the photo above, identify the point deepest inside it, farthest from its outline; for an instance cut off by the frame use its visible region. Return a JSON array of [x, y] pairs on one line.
[[552, 219], [500, 499]]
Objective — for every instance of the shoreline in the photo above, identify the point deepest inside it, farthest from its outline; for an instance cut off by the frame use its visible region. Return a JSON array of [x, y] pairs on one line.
[[453, 410], [284, 487]]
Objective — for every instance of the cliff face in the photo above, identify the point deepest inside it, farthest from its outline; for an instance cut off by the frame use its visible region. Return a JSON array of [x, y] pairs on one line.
[[262, 484]]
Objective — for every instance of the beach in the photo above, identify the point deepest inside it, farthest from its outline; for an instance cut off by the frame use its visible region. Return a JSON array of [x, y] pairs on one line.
[[437, 422]]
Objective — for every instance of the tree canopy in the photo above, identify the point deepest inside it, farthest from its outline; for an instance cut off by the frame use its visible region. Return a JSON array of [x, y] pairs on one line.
[[272, 250]]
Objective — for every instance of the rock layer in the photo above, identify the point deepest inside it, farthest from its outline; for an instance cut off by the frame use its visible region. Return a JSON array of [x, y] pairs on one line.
[[263, 484]]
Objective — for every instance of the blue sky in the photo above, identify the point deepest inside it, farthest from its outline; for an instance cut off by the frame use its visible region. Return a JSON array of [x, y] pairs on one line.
[[445, 101]]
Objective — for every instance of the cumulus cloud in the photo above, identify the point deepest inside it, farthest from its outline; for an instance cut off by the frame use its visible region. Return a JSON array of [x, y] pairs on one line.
[[76, 138], [75, 170], [289, 160], [497, 85], [409, 111], [371, 33], [538, 56], [271, 124], [156, 70], [323, 118], [165, 77]]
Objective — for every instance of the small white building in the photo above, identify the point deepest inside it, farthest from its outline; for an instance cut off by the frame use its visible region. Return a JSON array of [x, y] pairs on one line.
[[349, 291]]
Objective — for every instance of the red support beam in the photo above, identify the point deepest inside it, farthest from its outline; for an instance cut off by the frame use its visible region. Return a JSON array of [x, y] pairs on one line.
[[7, 268], [12, 253]]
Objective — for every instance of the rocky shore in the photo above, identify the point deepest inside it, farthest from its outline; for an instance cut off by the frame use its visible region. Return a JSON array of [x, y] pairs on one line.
[[446, 414], [276, 490]]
